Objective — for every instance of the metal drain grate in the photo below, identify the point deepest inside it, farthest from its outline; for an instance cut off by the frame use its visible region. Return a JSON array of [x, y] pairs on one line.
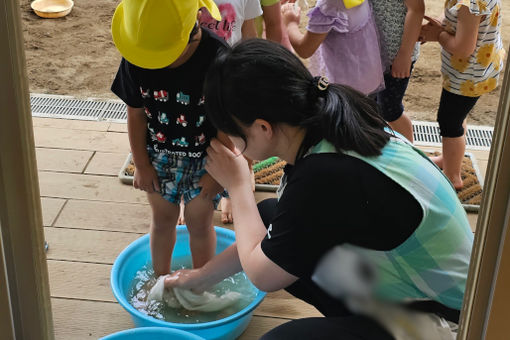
[[477, 137], [52, 106], [115, 111]]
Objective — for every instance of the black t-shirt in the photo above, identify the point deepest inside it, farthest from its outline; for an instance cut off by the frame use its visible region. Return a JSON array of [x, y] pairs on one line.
[[331, 199], [173, 99]]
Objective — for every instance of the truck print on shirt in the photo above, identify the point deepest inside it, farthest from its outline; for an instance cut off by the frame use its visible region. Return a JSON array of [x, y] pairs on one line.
[[161, 96], [161, 137], [200, 120], [199, 140], [145, 93], [181, 120], [163, 119], [152, 133], [180, 142], [182, 98]]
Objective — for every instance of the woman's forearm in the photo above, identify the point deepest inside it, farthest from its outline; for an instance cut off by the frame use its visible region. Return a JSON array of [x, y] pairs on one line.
[[223, 265], [250, 230]]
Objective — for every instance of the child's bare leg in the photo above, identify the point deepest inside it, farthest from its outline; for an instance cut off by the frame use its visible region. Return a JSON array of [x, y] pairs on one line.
[[162, 232], [226, 203], [198, 214], [438, 160], [226, 210], [453, 153], [181, 219], [404, 126]]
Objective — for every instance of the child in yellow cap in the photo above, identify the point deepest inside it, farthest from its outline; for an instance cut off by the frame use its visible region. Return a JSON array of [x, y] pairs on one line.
[[165, 58]]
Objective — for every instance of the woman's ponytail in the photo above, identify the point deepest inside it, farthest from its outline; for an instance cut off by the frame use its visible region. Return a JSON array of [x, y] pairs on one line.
[[350, 121]]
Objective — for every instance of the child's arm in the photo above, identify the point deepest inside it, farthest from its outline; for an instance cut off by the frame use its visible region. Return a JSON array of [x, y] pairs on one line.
[[304, 45], [463, 42], [401, 67], [145, 177], [248, 29], [273, 21]]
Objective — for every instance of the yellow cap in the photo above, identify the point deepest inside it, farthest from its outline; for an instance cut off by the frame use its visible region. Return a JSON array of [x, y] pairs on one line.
[[153, 33], [352, 3]]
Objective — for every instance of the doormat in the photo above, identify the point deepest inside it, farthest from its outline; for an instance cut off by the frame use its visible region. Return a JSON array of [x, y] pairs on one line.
[[269, 172], [471, 193]]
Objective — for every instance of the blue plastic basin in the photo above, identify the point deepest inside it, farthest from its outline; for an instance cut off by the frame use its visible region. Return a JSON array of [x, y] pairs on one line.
[[152, 333], [137, 255]]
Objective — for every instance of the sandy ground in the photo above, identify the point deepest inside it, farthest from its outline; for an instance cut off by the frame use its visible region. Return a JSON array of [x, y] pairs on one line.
[[75, 56]]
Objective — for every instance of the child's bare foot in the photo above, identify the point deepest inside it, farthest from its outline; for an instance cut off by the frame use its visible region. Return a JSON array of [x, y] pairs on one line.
[[181, 219], [438, 160], [226, 210], [456, 181]]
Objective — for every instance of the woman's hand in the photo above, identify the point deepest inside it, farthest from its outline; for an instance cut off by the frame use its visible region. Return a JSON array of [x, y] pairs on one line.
[[431, 31], [228, 168], [146, 179], [290, 13], [191, 279]]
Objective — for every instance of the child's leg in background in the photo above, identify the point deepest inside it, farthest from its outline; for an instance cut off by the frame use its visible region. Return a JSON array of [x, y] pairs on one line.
[[390, 104], [198, 214], [226, 203], [162, 232], [226, 210], [453, 110], [453, 153], [181, 219], [403, 125]]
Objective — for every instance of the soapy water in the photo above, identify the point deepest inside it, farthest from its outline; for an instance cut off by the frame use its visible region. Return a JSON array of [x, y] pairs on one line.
[[145, 279]]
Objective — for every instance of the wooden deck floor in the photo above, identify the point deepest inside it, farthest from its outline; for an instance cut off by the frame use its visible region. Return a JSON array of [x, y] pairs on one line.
[[89, 217]]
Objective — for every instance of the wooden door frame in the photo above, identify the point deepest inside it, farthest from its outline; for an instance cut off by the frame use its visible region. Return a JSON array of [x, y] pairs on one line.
[[24, 285], [486, 301], [23, 268]]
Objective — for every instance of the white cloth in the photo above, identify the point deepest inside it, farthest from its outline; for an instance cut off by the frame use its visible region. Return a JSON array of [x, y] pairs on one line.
[[347, 275], [178, 297]]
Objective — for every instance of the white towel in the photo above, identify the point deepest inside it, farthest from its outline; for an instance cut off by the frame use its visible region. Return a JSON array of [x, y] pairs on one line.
[[178, 297]]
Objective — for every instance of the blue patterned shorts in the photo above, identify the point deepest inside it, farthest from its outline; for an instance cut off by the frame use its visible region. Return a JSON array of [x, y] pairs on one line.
[[179, 176]]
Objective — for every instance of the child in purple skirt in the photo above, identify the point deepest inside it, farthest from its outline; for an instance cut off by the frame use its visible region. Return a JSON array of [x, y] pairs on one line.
[[342, 40]]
